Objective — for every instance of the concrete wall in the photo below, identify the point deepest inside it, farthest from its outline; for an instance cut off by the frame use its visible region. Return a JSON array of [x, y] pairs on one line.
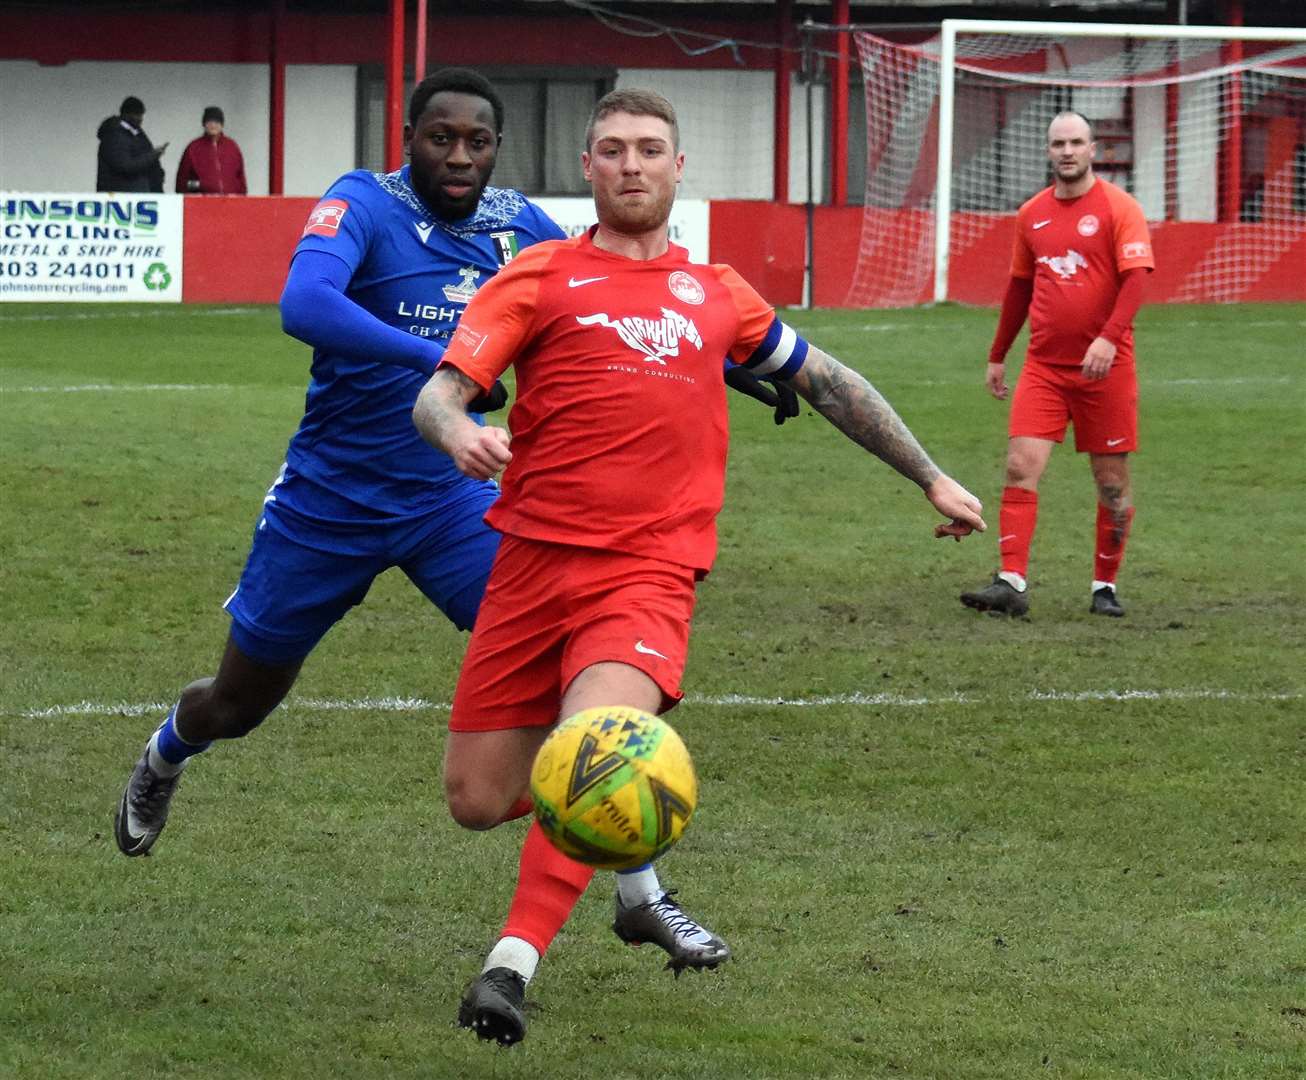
[[50, 115]]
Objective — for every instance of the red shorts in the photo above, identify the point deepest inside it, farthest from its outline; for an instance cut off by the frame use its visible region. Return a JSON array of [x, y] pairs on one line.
[[1103, 411], [552, 610]]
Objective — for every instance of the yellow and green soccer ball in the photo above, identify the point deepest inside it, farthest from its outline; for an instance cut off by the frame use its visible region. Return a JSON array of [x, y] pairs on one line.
[[614, 787]]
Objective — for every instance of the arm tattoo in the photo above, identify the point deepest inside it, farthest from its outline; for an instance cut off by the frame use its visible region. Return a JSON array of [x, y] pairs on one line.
[[442, 403], [857, 409]]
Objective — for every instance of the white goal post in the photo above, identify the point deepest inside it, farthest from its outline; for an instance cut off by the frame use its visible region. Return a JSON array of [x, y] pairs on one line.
[[947, 100], [1205, 125]]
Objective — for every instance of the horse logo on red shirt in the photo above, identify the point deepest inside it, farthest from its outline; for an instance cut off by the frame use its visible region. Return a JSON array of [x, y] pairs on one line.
[[1064, 266], [655, 339]]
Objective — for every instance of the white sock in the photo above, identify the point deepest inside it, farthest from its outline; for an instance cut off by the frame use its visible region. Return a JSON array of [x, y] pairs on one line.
[[161, 765], [515, 953], [637, 887], [1104, 585], [1013, 579]]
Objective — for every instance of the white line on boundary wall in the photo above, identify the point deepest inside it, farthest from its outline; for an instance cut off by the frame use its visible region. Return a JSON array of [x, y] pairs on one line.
[[402, 704], [950, 28]]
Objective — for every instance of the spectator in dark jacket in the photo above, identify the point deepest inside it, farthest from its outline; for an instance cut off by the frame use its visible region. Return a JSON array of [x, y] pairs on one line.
[[212, 164], [127, 160]]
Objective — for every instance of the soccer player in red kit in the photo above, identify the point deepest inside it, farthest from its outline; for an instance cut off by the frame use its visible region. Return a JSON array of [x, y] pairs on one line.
[[1082, 253], [612, 486]]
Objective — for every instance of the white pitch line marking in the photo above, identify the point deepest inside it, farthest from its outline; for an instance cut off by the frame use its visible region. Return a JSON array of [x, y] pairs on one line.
[[1251, 380], [1237, 380], [58, 316], [407, 704], [817, 327], [1274, 380], [102, 387]]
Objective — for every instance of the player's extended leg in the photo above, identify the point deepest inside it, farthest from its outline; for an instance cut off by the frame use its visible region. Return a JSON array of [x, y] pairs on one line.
[[288, 597], [549, 884], [226, 706], [486, 782], [1027, 457], [1115, 514], [487, 778], [645, 912]]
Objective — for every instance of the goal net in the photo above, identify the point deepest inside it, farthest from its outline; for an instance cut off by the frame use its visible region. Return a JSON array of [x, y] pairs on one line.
[[1206, 127]]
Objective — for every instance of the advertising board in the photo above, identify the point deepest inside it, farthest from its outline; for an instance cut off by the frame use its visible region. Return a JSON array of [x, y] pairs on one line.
[[92, 247]]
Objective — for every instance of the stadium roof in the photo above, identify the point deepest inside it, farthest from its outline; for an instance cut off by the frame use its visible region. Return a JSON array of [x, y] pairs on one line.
[[1289, 12], [1255, 12], [1204, 12]]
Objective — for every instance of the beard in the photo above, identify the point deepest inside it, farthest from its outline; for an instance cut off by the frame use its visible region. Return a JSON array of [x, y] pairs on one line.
[[1072, 171], [635, 217]]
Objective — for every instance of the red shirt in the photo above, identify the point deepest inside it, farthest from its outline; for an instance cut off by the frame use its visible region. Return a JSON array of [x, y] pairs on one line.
[[619, 431], [218, 166], [1076, 250]]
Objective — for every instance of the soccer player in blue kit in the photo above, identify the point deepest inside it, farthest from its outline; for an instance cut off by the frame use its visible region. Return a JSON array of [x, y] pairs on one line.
[[377, 284]]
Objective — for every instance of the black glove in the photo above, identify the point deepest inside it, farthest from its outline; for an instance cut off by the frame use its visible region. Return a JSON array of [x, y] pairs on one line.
[[777, 395], [492, 400]]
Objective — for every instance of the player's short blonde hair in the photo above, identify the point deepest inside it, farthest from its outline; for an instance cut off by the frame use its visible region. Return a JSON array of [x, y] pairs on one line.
[[636, 103]]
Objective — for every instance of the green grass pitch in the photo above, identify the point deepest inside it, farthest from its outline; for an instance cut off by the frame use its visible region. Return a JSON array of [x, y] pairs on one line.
[[941, 845]]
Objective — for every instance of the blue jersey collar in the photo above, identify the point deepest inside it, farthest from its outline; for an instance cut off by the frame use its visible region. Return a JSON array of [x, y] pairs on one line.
[[496, 210]]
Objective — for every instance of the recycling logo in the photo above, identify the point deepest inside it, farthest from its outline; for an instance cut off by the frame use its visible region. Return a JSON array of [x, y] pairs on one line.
[[157, 277]]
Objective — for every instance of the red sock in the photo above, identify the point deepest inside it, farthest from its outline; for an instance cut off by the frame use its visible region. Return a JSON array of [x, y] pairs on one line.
[[520, 808], [1016, 521], [548, 886], [1112, 533]]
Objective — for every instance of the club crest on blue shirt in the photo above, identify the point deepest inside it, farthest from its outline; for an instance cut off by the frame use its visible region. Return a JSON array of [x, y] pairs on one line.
[[505, 244], [466, 288]]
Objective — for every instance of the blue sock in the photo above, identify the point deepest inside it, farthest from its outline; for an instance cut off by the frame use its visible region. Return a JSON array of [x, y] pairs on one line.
[[171, 746]]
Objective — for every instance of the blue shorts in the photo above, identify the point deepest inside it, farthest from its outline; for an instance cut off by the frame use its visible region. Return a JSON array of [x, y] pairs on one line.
[[296, 586]]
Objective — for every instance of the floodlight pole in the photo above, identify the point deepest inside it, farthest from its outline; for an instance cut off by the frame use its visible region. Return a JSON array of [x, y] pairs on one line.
[[838, 108], [943, 182], [277, 101], [394, 89], [809, 77], [419, 53], [783, 70]]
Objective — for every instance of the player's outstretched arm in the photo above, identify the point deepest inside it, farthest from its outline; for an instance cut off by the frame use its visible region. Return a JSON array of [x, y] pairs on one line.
[[440, 415], [315, 309], [860, 411]]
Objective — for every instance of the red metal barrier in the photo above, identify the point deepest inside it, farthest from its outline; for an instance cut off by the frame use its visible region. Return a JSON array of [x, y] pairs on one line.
[[764, 242], [237, 250]]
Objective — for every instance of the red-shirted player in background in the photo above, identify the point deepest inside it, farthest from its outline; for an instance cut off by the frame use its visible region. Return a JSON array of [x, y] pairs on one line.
[[610, 497], [1081, 255]]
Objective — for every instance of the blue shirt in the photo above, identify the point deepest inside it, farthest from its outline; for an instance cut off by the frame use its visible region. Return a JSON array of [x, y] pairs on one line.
[[415, 273]]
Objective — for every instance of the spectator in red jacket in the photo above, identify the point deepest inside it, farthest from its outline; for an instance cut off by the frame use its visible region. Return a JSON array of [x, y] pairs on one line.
[[211, 164]]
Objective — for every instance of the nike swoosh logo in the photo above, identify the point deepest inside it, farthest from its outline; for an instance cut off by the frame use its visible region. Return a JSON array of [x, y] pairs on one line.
[[1004, 539], [1107, 557], [1040, 224], [423, 230], [641, 647], [576, 283], [1114, 442]]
